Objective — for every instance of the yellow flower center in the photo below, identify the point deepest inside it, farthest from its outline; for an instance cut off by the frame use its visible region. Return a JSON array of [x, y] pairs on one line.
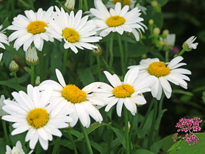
[[73, 94], [37, 27], [71, 35], [115, 21], [126, 2], [123, 91], [38, 118], [158, 69]]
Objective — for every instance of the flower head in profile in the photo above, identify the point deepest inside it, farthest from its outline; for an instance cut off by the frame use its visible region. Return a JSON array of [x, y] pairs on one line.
[[31, 28], [3, 38], [117, 20], [164, 72], [130, 3], [32, 112], [83, 102], [16, 149], [76, 31], [2, 112], [189, 44], [129, 92], [170, 40]]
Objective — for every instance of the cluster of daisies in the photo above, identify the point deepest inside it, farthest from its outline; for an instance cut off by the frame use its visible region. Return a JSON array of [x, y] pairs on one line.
[[44, 109]]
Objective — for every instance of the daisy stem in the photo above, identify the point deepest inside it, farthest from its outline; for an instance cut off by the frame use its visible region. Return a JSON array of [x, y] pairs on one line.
[[111, 51], [126, 131], [87, 139], [15, 76], [107, 50], [64, 61], [71, 138], [56, 145], [5, 132], [126, 53], [80, 4], [86, 5], [122, 3], [121, 54], [41, 65], [181, 53], [13, 8], [153, 124], [167, 55], [32, 75], [99, 71]]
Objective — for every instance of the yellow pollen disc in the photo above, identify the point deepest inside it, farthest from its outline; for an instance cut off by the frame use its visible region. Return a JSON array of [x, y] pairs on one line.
[[158, 69], [115, 21], [37, 27], [123, 91], [71, 35], [126, 2], [73, 94], [37, 118]]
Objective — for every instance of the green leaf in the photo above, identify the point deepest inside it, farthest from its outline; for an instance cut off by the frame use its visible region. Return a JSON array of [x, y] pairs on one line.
[[143, 151], [6, 23], [86, 76], [121, 135], [98, 147], [12, 85], [156, 127], [203, 97], [201, 35], [167, 142], [2, 145], [178, 91]]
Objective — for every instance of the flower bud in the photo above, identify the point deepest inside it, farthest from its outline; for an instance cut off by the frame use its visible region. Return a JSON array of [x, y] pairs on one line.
[[151, 21], [70, 4], [154, 3], [161, 43], [165, 32], [156, 31], [37, 82], [97, 51], [13, 66], [31, 56]]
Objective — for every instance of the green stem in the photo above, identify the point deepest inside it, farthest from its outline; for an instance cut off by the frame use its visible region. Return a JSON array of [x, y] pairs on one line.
[[5, 132], [80, 4], [86, 5], [153, 124], [15, 76], [122, 3], [41, 65], [160, 107], [99, 71], [181, 53], [111, 51], [107, 50], [31, 4], [13, 8], [109, 139], [107, 66], [32, 75], [64, 61], [121, 54], [71, 138], [126, 131], [56, 146], [126, 50], [91, 59], [167, 55], [87, 139], [131, 127]]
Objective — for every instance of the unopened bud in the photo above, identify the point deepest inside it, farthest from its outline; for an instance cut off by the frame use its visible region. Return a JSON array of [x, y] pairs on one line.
[[165, 32], [161, 43], [37, 82], [70, 4], [31, 56], [151, 21], [13, 66], [154, 3], [97, 51], [156, 31]]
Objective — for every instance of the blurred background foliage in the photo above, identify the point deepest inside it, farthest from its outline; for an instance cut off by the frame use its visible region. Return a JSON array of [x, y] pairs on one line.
[[185, 18]]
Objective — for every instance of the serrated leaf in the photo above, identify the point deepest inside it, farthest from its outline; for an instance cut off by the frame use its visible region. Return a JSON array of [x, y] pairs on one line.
[[86, 76]]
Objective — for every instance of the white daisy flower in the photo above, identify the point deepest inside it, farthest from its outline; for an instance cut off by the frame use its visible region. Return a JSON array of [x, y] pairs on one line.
[[129, 92], [16, 149], [76, 31], [164, 72], [130, 3], [117, 20], [2, 112], [83, 102], [189, 43], [3, 38], [33, 112], [170, 40], [31, 28]]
